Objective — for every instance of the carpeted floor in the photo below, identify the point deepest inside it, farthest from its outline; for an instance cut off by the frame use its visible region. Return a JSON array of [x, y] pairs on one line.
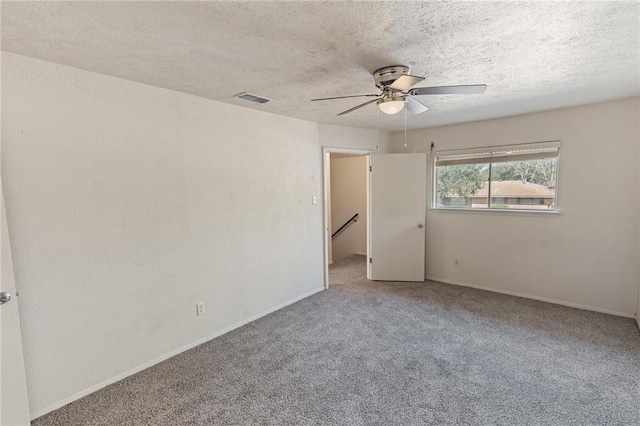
[[371, 353]]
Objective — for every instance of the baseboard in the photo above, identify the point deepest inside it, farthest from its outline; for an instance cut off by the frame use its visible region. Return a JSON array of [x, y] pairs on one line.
[[164, 357], [541, 299], [360, 253]]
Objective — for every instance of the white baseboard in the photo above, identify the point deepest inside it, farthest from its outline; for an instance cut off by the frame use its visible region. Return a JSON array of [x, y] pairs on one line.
[[360, 253], [542, 299], [164, 357]]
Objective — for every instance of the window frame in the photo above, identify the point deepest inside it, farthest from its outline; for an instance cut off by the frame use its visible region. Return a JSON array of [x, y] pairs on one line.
[[506, 153]]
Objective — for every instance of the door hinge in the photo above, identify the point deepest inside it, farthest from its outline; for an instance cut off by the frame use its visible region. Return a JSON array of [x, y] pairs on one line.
[[371, 260], [370, 168]]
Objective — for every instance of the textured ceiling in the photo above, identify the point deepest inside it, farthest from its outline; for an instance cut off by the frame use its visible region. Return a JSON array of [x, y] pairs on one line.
[[533, 55]]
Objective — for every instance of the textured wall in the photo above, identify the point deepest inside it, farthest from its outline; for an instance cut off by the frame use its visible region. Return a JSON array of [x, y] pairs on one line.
[[586, 256], [127, 204]]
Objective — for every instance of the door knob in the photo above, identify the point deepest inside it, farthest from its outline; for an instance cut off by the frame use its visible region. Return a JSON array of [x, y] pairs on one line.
[[4, 297], [421, 225]]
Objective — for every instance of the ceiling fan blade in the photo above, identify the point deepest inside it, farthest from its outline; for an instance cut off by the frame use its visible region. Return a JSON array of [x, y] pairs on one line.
[[449, 90], [415, 106], [342, 97], [405, 82], [357, 107]]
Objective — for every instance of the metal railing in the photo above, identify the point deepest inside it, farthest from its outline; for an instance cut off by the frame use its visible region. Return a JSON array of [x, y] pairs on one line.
[[354, 218]]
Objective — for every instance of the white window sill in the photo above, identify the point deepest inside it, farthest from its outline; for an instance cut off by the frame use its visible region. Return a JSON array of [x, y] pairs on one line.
[[533, 212]]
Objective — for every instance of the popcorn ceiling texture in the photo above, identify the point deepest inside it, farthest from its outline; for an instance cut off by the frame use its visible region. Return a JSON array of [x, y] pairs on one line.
[[533, 55]]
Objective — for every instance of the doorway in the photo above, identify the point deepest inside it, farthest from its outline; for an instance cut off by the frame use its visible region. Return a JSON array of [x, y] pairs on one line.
[[395, 194], [346, 206]]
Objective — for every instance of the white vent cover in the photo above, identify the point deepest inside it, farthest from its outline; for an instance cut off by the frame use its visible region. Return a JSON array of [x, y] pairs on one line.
[[253, 98]]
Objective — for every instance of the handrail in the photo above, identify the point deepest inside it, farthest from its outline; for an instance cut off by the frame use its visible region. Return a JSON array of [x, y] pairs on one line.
[[354, 218]]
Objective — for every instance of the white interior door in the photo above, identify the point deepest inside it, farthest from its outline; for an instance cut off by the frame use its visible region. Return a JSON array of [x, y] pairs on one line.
[[397, 203], [14, 409]]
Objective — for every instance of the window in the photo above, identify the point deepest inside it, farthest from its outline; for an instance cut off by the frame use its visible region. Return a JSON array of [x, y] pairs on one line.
[[499, 178], [531, 201]]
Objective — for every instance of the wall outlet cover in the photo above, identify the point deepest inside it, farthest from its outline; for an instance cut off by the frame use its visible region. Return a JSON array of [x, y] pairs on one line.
[[200, 308]]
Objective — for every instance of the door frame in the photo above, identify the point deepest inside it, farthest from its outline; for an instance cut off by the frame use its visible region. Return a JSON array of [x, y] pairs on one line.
[[326, 183]]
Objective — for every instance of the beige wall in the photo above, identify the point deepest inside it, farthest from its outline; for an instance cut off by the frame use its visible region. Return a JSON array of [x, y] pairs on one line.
[[588, 255], [348, 197], [128, 204]]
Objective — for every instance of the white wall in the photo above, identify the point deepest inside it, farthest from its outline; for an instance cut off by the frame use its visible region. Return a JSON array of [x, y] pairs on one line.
[[351, 137], [127, 204], [591, 259], [348, 197]]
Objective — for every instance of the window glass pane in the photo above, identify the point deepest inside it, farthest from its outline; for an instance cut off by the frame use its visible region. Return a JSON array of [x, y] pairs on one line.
[[527, 184], [505, 177], [462, 185]]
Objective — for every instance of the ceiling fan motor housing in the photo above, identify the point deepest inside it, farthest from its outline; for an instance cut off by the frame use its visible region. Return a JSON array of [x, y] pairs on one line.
[[384, 77]]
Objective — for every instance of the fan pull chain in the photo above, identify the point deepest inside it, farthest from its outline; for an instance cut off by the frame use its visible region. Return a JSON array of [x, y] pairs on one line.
[[405, 128], [377, 128]]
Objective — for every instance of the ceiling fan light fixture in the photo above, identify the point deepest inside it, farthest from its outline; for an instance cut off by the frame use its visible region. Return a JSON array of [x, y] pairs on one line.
[[391, 106]]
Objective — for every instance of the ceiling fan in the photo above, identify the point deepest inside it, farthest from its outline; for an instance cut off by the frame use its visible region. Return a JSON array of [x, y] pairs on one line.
[[396, 82]]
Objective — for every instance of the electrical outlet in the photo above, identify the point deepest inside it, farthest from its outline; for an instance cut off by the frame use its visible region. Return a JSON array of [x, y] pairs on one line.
[[456, 262], [200, 308]]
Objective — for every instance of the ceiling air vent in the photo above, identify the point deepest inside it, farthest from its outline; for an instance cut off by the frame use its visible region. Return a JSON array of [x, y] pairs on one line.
[[253, 98]]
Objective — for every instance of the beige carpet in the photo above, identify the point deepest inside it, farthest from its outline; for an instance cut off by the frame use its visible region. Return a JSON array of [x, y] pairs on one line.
[[367, 353]]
